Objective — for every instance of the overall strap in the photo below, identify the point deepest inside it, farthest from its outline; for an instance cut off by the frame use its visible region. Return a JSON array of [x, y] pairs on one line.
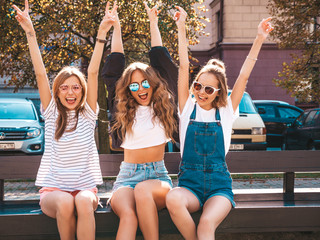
[[193, 114], [218, 115]]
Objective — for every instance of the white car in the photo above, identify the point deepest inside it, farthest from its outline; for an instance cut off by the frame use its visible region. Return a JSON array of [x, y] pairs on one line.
[[21, 127]]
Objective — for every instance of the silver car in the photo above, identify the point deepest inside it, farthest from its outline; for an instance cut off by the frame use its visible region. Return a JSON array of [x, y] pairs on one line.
[[21, 127]]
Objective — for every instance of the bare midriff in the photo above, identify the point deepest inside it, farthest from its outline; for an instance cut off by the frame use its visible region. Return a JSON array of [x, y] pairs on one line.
[[144, 155]]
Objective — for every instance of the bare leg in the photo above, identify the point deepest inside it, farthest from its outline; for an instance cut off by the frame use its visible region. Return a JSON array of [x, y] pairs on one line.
[[214, 211], [60, 205], [150, 197], [180, 203], [123, 204], [86, 203]]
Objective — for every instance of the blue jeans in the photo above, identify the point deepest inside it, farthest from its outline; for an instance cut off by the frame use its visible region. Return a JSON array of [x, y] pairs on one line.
[[131, 174]]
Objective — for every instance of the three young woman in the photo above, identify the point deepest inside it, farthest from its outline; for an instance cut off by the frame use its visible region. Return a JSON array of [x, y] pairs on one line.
[[205, 134], [140, 100], [69, 169]]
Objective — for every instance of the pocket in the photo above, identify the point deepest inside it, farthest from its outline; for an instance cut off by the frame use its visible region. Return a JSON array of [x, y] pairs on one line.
[[161, 171], [205, 143], [126, 173]]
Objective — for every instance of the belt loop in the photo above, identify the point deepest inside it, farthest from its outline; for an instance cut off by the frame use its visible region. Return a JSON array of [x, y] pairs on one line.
[[154, 165]]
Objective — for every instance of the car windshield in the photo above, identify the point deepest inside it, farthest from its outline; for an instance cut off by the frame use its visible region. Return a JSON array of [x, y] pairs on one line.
[[17, 111]]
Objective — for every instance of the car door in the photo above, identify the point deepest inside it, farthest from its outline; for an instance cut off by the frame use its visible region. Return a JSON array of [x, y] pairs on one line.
[[294, 133]]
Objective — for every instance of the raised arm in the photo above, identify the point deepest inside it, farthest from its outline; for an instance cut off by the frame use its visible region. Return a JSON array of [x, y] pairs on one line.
[[156, 39], [93, 69], [264, 29], [40, 71], [183, 78]]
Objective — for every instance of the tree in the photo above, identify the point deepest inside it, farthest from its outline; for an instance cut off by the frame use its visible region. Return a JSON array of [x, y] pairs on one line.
[[297, 26], [66, 32]]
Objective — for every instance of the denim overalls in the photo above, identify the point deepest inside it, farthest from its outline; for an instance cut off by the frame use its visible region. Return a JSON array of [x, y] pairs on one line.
[[203, 168]]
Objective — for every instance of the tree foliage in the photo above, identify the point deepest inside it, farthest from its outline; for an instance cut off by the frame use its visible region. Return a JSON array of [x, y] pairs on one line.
[[67, 29], [297, 26]]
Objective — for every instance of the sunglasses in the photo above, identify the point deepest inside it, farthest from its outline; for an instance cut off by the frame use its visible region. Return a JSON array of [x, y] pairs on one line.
[[208, 89], [76, 88], [135, 86]]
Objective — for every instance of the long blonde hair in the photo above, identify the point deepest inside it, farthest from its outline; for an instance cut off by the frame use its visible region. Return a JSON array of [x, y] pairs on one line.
[[62, 120], [161, 100], [218, 69]]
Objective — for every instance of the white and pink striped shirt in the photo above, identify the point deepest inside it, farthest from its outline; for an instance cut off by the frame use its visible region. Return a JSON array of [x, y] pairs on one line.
[[72, 162]]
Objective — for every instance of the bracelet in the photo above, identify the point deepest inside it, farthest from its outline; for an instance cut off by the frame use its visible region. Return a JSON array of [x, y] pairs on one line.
[[255, 59], [101, 40]]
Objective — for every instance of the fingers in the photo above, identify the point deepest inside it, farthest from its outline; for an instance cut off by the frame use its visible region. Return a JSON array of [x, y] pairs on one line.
[[267, 25], [146, 6], [17, 9], [114, 8], [107, 7], [179, 13], [26, 3]]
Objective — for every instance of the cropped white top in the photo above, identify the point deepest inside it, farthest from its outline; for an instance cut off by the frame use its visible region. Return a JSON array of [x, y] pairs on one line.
[[146, 132]]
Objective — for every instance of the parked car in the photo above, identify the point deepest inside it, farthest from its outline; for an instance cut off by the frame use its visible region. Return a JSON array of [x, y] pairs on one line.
[[248, 130], [21, 127], [304, 133], [276, 116]]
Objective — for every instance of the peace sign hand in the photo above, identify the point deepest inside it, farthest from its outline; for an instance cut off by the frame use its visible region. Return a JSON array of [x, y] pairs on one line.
[[24, 18], [180, 16], [152, 13], [109, 18], [265, 27]]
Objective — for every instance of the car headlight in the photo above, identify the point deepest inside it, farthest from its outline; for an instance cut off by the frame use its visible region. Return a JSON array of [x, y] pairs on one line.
[[258, 131], [33, 132]]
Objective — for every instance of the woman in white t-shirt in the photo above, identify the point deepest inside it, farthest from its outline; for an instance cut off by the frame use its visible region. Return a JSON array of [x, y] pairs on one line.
[[205, 134], [142, 107], [69, 169]]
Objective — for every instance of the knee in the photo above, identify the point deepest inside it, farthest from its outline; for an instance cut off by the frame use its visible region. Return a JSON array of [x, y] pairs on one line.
[[65, 207], [84, 205], [142, 193], [207, 225], [174, 201], [128, 216]]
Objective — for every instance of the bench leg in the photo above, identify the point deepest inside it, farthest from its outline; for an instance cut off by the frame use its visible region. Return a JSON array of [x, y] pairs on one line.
[[288, 186]]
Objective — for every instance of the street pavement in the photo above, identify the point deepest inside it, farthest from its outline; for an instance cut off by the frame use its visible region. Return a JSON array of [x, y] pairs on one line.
[[27, 190]]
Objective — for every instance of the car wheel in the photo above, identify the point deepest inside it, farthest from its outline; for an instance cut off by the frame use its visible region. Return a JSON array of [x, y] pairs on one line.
[[284, 146], [311, 146]]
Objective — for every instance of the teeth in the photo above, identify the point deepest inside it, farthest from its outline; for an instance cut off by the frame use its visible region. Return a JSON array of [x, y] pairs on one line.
[[142, 94], [70, 99]]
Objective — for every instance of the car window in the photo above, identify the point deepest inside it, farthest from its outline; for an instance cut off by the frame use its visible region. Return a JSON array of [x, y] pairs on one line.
[[17, 111], [310, 119], [317, 118], [246, 105], [288, 112], [299, 121], [268, 111]]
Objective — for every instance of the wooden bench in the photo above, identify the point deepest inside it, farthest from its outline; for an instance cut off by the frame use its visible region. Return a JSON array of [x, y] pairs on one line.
[[284, 211]]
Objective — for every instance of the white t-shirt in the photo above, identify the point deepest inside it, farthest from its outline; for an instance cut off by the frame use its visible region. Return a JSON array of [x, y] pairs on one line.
[[146, 132], [72, 162], [226, 114]]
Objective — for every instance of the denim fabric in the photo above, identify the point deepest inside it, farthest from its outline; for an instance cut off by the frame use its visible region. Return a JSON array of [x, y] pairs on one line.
[[131, 174], [203, 169]]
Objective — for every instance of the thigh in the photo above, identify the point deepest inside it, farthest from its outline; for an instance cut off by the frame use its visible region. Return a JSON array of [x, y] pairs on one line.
[[122, 200], [157, 188], [185, 197], [216, 209], [52, 201]]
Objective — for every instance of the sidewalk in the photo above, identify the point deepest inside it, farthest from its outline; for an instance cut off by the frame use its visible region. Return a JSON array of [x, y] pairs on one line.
[[27, 190]]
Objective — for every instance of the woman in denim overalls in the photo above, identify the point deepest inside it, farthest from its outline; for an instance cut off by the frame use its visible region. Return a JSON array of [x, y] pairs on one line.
[[205, 135]]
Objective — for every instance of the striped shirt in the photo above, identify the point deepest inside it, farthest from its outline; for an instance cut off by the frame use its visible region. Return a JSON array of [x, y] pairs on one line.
[[72, 162]]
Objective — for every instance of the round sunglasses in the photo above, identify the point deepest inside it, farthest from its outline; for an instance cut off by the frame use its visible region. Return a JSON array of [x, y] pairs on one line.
[[208, 89], [76, 88], [135, 86]]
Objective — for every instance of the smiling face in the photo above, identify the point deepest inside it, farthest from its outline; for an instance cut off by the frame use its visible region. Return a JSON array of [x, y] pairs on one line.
[[205, 100], [70, 96], [143, 95]]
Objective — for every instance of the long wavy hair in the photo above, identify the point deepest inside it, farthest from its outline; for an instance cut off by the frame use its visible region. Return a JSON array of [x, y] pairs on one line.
[[162, 101], [62, 120], [218, 69]]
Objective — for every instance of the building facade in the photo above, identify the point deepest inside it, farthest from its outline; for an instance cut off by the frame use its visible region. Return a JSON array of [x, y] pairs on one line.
[[233, 28]]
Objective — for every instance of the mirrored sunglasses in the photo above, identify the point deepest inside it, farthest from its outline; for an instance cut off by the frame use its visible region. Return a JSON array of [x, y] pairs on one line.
[[135, 86], [76, 88], [208, 89]]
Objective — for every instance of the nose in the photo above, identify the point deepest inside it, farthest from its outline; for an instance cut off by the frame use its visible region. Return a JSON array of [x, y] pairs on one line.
[[70, 91]]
